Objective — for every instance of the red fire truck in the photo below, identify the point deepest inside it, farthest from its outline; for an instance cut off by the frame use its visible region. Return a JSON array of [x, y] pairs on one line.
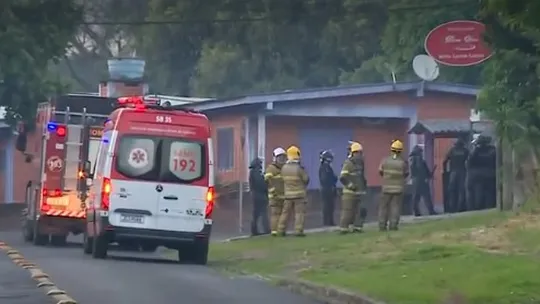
[[67, 135]]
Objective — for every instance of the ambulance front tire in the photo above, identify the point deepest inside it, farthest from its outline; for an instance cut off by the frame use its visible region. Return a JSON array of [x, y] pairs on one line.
[[195, 253], [100, 247]]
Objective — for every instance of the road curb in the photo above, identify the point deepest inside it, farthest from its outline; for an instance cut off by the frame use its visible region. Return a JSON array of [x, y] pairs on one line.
[[42, 279], [325, 294]]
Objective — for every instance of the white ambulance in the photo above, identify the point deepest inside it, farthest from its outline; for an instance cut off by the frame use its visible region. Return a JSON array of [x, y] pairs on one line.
[[153, 181]]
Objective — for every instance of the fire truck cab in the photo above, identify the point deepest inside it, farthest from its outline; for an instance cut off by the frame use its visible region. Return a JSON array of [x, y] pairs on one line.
[[67, 134], [153, 181]]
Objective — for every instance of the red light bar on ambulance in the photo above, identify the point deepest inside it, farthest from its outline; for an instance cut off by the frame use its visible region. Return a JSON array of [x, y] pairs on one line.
[[139, 102]]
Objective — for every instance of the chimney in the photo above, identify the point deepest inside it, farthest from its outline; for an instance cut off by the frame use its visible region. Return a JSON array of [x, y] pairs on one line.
[[126, 78]]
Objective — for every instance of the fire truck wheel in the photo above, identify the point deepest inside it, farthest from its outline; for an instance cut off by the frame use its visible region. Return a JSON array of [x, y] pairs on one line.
[[196, 253], [100, 247], [39, 238], [59, 240], [28, 231], [88, 244]]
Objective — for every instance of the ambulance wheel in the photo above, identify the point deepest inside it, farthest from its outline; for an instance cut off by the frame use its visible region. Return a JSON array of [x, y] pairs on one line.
[[39, 238], [88, 244], [59, 240], [100, 247], [195, 253], [28, 231]]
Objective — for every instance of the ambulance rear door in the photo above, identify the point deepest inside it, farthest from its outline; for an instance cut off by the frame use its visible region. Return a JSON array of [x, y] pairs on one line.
[[134, 198]]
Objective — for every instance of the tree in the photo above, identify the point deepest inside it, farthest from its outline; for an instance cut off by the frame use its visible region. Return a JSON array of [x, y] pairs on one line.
[[511, 90], [32, 34], [84, 65], [408, 23]]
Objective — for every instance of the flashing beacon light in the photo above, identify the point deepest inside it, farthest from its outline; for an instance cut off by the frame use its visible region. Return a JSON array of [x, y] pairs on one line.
[[137, 102], [59, 130]]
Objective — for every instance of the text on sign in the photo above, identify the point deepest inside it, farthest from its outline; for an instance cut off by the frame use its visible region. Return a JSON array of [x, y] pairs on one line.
[[163, 119]]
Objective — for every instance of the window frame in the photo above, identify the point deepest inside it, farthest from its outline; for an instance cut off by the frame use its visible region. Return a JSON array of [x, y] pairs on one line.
[[225, 159], [165, 175], [151, 175], [160, 171]]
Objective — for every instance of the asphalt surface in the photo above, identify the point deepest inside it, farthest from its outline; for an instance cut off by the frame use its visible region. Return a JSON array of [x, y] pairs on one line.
[[136, 278], [16, 286]]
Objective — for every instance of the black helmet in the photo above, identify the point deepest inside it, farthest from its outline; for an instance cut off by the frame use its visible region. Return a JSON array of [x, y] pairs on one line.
[[326, 155], [256, 163]]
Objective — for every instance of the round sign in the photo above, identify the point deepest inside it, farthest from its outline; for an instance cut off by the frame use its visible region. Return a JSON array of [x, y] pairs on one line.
[[138, 158], [55, 164], [458, 43]]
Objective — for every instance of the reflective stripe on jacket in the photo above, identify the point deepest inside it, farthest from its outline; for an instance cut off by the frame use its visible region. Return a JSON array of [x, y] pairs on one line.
[[295, 180], [274, 180], [352, 177]]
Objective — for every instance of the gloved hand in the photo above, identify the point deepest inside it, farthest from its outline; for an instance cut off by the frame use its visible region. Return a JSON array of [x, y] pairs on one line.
[[352, 187]]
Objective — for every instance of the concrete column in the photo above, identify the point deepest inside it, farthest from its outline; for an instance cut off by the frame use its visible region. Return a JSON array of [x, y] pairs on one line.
[[9, 170], [246, 148], [261, 136]]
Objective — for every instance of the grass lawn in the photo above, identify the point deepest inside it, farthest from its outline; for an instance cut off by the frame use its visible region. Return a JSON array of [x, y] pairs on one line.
[[485, 258]]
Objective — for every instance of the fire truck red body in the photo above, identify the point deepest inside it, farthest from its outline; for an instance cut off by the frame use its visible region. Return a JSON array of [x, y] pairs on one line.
[[66, 136]]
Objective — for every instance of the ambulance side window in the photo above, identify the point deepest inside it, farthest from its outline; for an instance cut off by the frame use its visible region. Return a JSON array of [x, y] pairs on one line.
[[136, 157]]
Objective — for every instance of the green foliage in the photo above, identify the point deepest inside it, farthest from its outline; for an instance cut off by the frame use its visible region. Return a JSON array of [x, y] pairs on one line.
[[510, 95], [403, 38], [32, 34]]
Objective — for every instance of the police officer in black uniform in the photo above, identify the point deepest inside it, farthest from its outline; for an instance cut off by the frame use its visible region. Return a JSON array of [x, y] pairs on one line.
[[420, 176], [455, 164], [259, 194], [481, 166], [328, 180]]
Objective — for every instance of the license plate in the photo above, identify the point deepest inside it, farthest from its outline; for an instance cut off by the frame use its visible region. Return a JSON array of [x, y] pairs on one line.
[[58, 201], [132, 219]]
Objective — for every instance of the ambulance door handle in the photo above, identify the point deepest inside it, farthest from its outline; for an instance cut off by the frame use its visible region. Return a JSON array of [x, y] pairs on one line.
[[171, 197]]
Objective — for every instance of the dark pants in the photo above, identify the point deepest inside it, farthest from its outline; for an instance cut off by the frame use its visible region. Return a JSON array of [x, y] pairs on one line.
[[481, 191], [328, 197], [260, 214], [421, 191], [456, 191]]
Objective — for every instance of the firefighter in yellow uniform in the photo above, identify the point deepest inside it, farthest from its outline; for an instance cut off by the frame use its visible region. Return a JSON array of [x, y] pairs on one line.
[[394, 170], [354, 186], [275, 187], [295, 181]]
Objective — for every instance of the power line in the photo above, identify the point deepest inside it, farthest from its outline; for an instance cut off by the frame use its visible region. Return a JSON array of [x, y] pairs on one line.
[[263, 19]]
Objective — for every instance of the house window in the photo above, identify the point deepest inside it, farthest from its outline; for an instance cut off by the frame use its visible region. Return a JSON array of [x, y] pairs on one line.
[[225, 148]]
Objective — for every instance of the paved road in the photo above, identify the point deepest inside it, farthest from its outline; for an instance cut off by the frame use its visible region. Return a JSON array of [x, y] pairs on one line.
[[16, 286], [144, 279]]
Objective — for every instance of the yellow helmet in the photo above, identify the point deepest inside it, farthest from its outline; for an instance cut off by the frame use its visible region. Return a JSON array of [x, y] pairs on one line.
[[293, 152], [396, 146], [356, 147]]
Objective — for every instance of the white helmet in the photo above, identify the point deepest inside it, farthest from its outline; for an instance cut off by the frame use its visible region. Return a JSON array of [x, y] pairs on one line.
[[278, 151]]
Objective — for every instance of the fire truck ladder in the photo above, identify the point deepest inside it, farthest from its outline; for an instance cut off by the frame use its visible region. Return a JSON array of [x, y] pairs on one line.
[[76, 148]]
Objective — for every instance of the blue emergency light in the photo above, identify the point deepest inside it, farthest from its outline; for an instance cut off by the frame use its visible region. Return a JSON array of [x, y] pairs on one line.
[[53, 127]]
